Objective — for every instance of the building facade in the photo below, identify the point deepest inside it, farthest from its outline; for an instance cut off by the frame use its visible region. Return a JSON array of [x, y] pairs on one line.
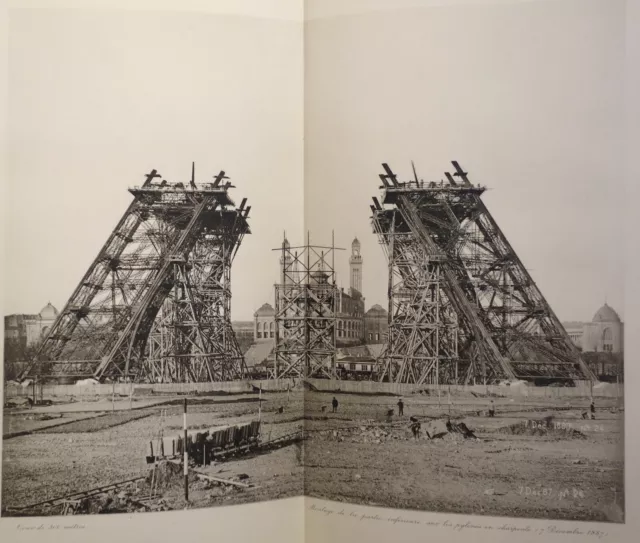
[[350, 310], [376, 325], [29, 330], [264, 324], [604, 334]]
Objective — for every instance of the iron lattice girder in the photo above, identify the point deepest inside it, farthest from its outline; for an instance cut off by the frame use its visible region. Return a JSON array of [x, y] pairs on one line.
[[305, 313], [496, 301], [168, 235]]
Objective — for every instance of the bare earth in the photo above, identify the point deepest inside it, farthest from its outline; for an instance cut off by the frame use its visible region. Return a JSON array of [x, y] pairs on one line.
[[572, 471], [358, 456], [55, 461]]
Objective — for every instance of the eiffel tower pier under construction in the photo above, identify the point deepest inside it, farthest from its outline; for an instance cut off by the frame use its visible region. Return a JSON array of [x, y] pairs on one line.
[[463, 309], [154, 306]]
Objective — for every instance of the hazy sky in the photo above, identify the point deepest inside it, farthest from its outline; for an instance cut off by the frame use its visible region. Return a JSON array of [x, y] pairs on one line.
[[527, 97], [98, 99]]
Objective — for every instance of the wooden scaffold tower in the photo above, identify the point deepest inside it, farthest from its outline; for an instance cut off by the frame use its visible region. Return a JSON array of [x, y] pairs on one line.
[[305, 313], [155, 304], [462, 306]]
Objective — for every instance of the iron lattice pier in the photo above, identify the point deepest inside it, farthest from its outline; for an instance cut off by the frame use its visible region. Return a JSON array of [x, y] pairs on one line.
[[305, 313], [155, 304], [462, 306]]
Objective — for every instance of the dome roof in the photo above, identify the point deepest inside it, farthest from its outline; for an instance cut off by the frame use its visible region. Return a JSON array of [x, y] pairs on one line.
[[48, 312], [606, 314], [286, 243], [355, 242], [266, 309], [377, 309]]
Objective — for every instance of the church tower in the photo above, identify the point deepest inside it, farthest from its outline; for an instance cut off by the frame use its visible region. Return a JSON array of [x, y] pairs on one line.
[[355, 268]]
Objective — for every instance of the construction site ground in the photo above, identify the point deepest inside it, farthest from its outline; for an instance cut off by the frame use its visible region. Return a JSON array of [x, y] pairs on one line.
[[572, 469], [68, 449]]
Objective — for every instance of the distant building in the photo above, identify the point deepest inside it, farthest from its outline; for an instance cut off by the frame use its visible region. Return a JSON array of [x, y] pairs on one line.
[[350, 311], [353, 325], [264, 324], [29, 330], [604, 334], [376, 325], [244, 333]]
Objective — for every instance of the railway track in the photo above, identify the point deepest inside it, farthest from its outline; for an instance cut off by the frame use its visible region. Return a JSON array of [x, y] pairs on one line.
[[78, 495]]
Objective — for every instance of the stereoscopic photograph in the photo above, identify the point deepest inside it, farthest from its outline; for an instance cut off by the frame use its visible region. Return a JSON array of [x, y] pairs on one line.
[[375, 259]]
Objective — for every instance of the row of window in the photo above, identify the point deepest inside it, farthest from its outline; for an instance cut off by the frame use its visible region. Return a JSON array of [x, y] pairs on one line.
[[348, 333], [354, 367], [349, 325]]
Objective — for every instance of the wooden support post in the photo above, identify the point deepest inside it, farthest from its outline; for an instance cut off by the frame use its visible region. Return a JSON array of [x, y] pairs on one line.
[[186, 455], [113, 397], [260, 403]]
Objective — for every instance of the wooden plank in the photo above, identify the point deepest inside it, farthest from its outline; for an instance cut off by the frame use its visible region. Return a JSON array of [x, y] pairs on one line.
[[223, 481]]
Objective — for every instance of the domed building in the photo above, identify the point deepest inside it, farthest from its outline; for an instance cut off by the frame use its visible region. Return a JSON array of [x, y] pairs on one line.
[[605, 332], [27, 329], [376, 325], [264, 323]]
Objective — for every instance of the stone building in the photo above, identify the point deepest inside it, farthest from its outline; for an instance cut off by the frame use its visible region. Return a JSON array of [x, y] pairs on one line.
[[29, 330], [350, 306], [605, 332], [350, 313], [264, 324], [376, 325]]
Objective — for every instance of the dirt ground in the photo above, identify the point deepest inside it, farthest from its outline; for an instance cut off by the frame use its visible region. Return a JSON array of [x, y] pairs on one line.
[[54, 461], [517, 464], [573, 470]]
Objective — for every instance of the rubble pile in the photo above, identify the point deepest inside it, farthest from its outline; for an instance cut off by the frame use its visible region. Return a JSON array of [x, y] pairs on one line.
[[376, 434]]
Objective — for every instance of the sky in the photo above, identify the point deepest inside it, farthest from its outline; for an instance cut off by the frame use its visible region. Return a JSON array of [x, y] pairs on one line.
[[97, 99], [528, 97]]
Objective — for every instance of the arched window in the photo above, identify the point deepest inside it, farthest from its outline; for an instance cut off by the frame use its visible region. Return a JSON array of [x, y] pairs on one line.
[[272, 327], [607, 340]]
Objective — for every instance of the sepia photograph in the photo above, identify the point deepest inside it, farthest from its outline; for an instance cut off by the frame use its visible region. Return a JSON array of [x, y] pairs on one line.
[[476, 152], [152, 172], [373, 259]]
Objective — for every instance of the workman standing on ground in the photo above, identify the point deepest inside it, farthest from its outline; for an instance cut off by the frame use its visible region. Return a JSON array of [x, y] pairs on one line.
[[400, 407], [334, 403]]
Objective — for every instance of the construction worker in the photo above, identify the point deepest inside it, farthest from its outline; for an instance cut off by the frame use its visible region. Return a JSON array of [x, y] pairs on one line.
[[492, 409], [592, 408], [400, 407], [334, 403]]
